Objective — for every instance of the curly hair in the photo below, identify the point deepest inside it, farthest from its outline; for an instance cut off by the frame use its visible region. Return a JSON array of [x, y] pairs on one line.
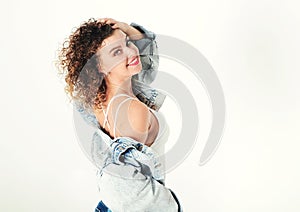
[[77, 60]]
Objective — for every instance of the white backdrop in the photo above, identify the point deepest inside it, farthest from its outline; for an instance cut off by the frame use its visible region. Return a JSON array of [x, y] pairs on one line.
[[254, 49]]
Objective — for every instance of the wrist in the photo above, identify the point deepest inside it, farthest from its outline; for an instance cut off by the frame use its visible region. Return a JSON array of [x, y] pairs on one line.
[[133, 33]]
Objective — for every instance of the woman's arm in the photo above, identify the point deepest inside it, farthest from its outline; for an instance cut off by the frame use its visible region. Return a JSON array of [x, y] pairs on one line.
[[140, 194], [133, 180], [132, 32], [146, 43]]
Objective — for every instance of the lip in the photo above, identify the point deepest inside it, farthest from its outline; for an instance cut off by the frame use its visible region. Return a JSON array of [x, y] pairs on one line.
[[134, 61]]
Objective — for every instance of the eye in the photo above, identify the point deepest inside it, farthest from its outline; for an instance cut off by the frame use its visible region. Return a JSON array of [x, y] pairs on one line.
[[128, 42], [117, 52]]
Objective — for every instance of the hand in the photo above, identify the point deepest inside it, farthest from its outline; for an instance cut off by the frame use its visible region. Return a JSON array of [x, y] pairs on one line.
[[132, 32]]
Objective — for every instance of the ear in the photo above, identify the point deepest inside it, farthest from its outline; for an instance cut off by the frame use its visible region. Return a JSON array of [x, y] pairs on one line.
[[100, 69], [103, 72]]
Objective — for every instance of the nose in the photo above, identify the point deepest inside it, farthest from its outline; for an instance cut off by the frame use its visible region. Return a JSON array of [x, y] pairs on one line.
[[132, 50]]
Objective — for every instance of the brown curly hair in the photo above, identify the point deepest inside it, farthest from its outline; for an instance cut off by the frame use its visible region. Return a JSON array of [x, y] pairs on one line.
[[80, 65]]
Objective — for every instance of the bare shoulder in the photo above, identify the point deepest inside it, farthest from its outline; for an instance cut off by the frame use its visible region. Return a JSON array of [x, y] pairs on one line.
[[137, 107], [137, 123], [139, 115]]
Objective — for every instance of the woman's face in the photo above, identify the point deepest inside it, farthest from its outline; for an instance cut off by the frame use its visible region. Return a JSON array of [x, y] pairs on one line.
[[119, 57]]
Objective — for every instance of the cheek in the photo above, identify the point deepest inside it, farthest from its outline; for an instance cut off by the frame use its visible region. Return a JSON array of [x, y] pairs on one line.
[[114, 62], [136, 50]]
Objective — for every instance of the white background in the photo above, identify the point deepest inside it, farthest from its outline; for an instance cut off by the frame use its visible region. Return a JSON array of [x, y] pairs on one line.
[[252, 45]]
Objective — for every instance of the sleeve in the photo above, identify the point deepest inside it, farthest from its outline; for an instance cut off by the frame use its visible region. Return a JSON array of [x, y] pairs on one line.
[[140, 194], [148, 53], [133, 180], [86, 114], [150, 61]]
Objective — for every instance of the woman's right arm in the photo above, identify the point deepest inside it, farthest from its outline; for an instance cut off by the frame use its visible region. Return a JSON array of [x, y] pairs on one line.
[[140, 194]]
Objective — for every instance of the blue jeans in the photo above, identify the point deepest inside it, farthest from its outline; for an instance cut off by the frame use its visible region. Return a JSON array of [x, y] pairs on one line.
[[102, 208]]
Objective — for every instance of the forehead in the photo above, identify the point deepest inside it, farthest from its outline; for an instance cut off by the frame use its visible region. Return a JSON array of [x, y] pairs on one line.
[[117, 37]]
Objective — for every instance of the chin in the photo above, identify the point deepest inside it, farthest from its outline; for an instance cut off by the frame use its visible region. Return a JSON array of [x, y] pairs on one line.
[[135, 70]]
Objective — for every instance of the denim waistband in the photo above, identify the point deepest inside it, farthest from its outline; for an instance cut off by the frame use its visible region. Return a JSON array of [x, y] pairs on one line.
[[101, 207]]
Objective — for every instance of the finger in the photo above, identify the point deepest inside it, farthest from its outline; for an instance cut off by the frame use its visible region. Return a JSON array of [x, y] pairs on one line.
[[102, 20], [105, 20], [115, 26], [111, 22]]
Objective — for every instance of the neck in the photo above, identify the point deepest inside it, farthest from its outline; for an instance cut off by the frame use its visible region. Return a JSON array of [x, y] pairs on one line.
[[124, 87]]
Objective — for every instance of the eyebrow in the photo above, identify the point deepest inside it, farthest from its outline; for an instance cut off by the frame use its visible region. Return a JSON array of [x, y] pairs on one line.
[[114, 49], [119, 46]]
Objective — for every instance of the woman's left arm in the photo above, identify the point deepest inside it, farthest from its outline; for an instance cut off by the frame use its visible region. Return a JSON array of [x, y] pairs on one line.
[[131, 31], [145, 41]]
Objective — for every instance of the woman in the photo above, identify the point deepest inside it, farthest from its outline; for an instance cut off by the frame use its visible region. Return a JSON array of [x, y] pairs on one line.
[[108, 65]]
